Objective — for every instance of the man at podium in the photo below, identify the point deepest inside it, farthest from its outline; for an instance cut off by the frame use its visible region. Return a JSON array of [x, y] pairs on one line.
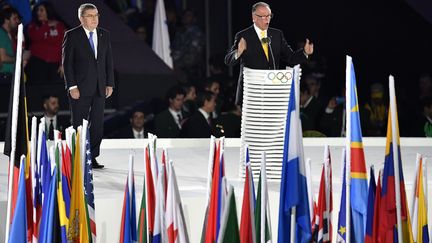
[[261, 47]]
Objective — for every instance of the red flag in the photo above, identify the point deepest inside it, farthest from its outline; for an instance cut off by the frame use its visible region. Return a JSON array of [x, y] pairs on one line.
[[247, 221]]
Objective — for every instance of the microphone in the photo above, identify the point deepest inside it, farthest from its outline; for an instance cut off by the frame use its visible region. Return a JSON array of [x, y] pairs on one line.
[[268, 39]]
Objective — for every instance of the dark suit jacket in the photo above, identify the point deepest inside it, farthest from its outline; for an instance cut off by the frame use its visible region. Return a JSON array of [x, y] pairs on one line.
[[165, 125], [254, 56], [126, 132], [197, 127], [81, 68]]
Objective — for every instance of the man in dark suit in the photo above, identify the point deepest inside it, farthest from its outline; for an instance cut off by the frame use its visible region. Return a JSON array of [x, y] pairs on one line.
[[89, 75], [136, 127], [201, 123], [168, 123], [261, 47], [53, 121]]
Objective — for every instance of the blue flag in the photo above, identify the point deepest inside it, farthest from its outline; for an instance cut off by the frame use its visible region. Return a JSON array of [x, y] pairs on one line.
[[18, 231], [48, 213], [293, 191]]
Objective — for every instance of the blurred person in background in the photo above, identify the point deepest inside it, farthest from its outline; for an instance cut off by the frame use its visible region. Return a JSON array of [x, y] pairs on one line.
[[189, 105], [168, 123], [377, 111]]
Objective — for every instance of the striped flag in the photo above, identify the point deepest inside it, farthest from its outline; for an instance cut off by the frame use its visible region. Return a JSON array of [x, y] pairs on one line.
[[262, 208], [342, 219], [63, 195], [211, 160], [159, 233], [377, 205], [293, 192], [247, 221], [18, 231], [218, 192], [371, 208], [78, 222], [143, 231], [150, 193], [88, 182], [175, 221], [389, 210], [323, 224], [419, 212], [48, 211], [36, 183], [355, 156], [128, 229], [229, 231]]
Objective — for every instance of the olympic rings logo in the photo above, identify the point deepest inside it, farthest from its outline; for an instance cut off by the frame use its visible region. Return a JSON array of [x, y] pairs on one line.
[[279, 77]]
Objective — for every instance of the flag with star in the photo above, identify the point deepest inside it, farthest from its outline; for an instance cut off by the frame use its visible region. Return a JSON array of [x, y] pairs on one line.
[[341, 229], [88, 186]]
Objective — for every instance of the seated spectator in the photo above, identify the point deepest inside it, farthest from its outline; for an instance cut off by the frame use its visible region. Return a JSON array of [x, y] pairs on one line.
[[136, 127], [52, 120], [168, 123], [310, 109], [229, 122], [213, 86], [201, 124], [377, 111], [425, 86], [332, 122], [423, 126], [189, 105], [45, 33]]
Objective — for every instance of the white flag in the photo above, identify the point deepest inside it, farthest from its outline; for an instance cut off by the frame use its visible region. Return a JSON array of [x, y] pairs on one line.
[[161, 41]]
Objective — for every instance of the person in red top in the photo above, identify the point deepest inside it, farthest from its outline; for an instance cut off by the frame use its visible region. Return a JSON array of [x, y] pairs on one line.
[[45, 34]]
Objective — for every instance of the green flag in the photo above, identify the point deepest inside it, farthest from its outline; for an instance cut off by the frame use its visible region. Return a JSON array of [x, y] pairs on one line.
[[229, 231]]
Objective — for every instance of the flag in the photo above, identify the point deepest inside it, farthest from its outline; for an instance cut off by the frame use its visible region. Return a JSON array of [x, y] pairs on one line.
[[218, 192], [175, 221], [63, 196], [355, 156], [388, 208], [78, 224], [128, 229], [161, 41], [262, 208], [247, 221], [229, 231], [48, 211], [143, 231], [150, 194], [159, 233], [419, 217], [36, 183], [371, 208], [17, 141], [88, 183], [293, 192], [18, 231], [323, 225], [377, 205], [342, 226], [211, 160]]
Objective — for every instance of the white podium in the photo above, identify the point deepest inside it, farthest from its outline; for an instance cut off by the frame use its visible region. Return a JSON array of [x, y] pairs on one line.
[[265, 104]]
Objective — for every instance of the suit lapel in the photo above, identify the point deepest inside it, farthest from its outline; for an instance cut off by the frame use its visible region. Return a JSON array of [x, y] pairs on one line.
[[257, 42], [87, 42]]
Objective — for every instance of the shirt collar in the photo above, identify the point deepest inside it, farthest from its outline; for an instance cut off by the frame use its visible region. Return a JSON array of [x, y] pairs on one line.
[[204, 113], [88, 32], [258, 31]]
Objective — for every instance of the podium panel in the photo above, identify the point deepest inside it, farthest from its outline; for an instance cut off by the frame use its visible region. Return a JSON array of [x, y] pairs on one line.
[[265, 104]]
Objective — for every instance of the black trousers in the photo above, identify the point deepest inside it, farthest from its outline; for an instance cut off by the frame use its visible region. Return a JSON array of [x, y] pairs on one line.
[[39, 71], [90, 108]]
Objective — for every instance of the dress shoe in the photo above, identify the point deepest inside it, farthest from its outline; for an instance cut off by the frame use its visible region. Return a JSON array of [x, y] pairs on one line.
[[96, 165]]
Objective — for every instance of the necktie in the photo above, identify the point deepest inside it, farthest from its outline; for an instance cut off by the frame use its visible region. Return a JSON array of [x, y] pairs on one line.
[[209, 120], [51, 130], [179, 120], [91, 41], [264, 45]]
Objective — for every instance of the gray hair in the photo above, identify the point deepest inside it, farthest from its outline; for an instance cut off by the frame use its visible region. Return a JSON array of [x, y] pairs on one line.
[[259, 4], [84, 7]]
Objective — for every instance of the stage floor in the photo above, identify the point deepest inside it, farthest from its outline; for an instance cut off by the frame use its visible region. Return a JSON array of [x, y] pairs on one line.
[[190, 158]]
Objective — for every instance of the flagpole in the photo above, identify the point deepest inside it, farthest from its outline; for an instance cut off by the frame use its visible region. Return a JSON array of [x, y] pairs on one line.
[[14, 126], [395, 144], [348, 148]]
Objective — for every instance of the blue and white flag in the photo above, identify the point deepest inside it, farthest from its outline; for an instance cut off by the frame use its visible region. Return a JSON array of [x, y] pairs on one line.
[[293, 193], [161, 40]]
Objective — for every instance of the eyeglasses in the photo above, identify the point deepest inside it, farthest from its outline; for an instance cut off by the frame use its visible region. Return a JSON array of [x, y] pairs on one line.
[[91, 16], [270, 16]]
